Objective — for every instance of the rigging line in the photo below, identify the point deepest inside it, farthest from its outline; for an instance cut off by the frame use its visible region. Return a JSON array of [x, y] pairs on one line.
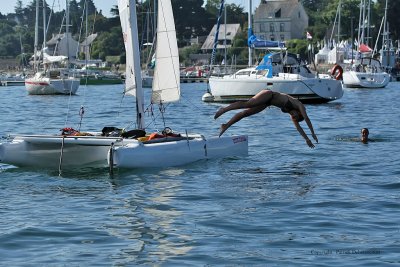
[[190, 104]]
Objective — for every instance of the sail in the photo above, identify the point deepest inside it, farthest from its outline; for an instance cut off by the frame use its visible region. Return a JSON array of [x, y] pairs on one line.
[[133, 79], [166, 81], [124, 14]]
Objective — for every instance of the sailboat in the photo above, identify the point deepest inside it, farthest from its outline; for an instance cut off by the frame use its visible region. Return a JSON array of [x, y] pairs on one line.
[[279, 71], [165, 150], [368, 71], [134, 148], [51, 80]]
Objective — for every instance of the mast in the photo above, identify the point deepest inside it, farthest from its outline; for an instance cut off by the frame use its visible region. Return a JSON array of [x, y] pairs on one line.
[[136, 67], [67, 29], [225, 60], [44, 24], [249, 27], [35, 63]]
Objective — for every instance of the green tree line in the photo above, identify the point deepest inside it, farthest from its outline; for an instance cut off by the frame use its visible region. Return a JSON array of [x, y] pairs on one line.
[[192, 17]]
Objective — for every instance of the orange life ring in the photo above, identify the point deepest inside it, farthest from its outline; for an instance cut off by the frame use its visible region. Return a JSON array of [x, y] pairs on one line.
[[339, 75]]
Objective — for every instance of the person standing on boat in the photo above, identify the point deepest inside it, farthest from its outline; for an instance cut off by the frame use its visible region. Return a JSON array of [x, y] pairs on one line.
[[267, 98]]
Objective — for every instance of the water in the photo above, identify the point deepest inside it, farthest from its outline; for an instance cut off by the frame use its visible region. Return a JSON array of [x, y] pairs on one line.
[[283, 205]]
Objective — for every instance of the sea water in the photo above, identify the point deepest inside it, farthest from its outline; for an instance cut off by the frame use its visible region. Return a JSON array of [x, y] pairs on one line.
[[283, 205]]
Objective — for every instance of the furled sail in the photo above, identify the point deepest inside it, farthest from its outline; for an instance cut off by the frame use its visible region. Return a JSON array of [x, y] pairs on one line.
[[254, 42]]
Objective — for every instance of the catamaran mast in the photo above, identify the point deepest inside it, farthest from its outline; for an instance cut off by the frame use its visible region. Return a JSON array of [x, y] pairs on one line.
[[137, 68]]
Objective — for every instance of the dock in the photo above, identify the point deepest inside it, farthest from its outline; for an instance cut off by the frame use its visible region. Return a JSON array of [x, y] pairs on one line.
[[194, 80], [12, 83]]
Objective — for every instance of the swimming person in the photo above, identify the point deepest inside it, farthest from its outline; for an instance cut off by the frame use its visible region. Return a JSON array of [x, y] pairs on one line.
[[267, 98], [364, 135]]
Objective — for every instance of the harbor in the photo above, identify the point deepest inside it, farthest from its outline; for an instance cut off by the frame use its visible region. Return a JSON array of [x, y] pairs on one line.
[[337, 192]]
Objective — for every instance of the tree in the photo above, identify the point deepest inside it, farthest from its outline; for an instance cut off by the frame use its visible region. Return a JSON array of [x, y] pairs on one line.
[[190, 19]]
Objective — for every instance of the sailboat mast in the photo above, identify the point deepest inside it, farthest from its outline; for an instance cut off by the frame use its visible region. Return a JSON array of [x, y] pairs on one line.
[[35, 63], [249, 27], [67, 29], [44, 24]]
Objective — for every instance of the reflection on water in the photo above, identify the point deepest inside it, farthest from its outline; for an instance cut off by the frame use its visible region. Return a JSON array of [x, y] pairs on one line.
[[150, 216]]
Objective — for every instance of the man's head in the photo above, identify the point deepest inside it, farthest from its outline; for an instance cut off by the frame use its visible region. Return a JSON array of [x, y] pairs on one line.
[[364, 135]]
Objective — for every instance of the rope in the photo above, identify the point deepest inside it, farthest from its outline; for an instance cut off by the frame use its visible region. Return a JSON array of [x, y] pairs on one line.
[[61, 156]]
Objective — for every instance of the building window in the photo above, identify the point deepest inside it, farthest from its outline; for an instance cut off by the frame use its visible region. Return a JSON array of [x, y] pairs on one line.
[[282, 37], [278, 13], [272, 37], [262, 27], [282, 27], [271, 27], [299, 15]]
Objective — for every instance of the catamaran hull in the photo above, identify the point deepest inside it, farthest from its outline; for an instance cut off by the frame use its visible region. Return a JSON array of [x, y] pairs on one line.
[[307, 90], [176, 153], [46, 86], [365, 80], [51, 151]]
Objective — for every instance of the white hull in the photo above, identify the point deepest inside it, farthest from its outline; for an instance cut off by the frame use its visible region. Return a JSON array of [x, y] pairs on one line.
[[176, 153], [45, 151], [47, 86], [365, 79], [304, 88]]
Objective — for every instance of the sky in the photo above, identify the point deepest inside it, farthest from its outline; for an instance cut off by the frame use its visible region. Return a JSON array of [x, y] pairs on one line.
[[103, 5]]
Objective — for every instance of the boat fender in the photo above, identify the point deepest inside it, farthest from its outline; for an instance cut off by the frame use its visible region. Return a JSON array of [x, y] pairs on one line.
[[337, 72]]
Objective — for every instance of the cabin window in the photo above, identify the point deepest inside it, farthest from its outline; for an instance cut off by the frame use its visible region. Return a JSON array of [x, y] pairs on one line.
[[243, 73]]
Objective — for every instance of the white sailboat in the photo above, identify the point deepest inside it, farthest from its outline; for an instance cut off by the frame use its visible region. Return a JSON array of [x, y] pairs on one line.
[[76, 149], [167, 150], [366, 72], [51, 81], [279, 72]]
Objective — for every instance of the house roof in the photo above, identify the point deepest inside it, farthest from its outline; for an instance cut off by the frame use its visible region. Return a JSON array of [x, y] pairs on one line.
[[231, 31], [276, 8]]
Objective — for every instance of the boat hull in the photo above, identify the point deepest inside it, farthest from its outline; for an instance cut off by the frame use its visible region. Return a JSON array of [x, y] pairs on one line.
[[307, 90], [49, 151], [47, 86], [176, 153], [365, 79]]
